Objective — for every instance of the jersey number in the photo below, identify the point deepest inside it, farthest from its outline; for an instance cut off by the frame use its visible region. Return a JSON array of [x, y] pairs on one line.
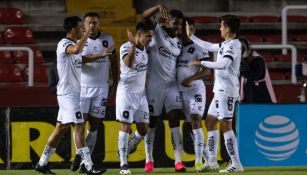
[[230, 103]]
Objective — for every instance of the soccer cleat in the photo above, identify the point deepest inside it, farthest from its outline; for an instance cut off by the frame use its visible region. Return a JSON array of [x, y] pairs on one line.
[[232, 169], [179, 167], [149, 167], [210, 167], [75, 163], [82, 170], [93, 171], [198, 166], [43, 169], [124, 169]]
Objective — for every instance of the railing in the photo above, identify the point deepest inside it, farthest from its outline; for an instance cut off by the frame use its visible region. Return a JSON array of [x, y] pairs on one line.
[[284, 15], [293, 55], [31, 61]]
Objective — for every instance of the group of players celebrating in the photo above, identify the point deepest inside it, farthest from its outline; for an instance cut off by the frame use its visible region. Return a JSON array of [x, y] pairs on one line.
[[162, 65]]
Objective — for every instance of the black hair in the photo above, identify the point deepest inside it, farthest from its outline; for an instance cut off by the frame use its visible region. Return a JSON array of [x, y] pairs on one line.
[[231, 21], [144, 26], [91, 14], [246, 44], [176, 14], [189, 20], [71, 22]]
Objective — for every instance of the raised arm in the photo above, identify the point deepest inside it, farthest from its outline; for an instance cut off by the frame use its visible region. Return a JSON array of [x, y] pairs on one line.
[[129, 58], [75, 49], [91, 58], [150, 13]]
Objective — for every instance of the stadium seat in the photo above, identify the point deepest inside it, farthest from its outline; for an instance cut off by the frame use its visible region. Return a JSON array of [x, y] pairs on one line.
[[11, 16], [1, 38], [22, 56], [205, 19], [268, 58], [253, 38], [277, 76], [272, 38], [18, 35], [243, 19], [212, 38], [5, 57], [10, 73], [296, 18], [40, 73], [264, 19]]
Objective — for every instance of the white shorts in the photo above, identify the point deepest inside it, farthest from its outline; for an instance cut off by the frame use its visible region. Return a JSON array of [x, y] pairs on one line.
[[194, 101], [132, 108], [222, 106], [159, 94], [69, 109], [93, 100]]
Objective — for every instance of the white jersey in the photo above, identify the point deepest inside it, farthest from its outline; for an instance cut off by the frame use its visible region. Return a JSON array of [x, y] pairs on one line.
[[96, 73], [189, 52], [133, 79], [227, 81], [69, 69], [163, 54]]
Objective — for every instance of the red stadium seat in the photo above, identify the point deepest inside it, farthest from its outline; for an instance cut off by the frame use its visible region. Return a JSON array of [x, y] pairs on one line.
[[264, 19], [268, 58], [10, 73], [243, 19], [212, 38], [18, 35], [11, 16], [272, 38], [5, 57], [205, 19], [1, 38], [297, 18], [22, 56], [277, 76], [283, 58], [253, 38], [40, 73]]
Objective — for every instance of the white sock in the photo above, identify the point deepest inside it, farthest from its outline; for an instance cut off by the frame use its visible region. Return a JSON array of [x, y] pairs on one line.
[[47, 153], [149, 141], [213, 137], [91, 140], [205, 152], [177, 143], [86, 157], [198, 144], [135, 139], [122, 147], [232, 148]]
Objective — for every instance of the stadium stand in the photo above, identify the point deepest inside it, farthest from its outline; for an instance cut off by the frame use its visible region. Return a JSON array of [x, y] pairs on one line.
[[18, 35], [11, 16], [10, 73]]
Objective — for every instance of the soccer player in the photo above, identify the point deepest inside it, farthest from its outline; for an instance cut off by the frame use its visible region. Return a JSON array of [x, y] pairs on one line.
[[161, 86], [97, 52], [68, 95], [131, 102], [193, 91], [226, 90]]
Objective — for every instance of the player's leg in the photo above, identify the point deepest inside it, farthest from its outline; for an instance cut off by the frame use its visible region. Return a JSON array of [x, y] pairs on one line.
[[173, 106], [229, 136]]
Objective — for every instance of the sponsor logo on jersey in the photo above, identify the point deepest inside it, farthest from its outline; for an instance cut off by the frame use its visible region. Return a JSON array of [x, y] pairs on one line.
[[141, 67], [167, 53]]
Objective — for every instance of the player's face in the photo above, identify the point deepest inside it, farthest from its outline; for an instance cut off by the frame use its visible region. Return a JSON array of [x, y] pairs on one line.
[[224, 29], [145, 37], [93, 24], [176, 25], [79, 30]]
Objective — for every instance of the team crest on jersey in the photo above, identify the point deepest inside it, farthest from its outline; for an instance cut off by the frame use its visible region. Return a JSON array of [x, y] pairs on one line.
[[191, 50], [198, 98]]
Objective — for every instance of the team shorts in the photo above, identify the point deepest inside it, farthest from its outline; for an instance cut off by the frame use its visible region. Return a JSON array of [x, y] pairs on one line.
[[69, 109], [160, 93], [131, 108], [222, 106], [194, 101], [93, 100]]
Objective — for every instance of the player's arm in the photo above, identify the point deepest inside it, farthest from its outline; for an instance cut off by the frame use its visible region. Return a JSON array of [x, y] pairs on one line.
[[196, 76], [221, 64], [77, 48], [150, 13], [90, 58], [129, 58]]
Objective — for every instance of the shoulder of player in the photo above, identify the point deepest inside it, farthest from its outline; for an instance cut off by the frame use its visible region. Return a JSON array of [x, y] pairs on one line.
[[64, 42], [106, 36], [126, 45]]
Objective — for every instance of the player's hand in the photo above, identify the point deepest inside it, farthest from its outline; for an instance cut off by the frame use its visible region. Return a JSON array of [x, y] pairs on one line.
[[194, 63], [163, 11], [186, 82], [86, 28], [188, 29], [131, 37], [107, 51]]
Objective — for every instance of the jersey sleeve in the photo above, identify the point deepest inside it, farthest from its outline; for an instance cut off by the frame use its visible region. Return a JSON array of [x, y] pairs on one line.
[[65, 45], [124, 50], [230, 52], [202, 54], [205, 45]]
